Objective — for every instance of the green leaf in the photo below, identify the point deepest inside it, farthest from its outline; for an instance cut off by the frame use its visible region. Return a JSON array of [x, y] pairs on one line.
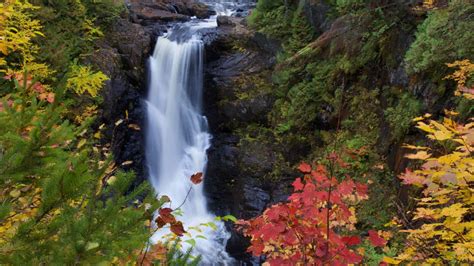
[[91, 245], [4, 210], [229, 218], [192, 242]]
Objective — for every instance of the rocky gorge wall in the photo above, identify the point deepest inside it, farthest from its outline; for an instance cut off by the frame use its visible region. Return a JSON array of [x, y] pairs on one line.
[[122, 55], [250, 166]]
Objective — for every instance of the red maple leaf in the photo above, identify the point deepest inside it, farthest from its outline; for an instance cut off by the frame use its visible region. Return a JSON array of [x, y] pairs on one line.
[[256, 248], [298, 185], [305, 168], [351, 240], [376, 240], [410, 178], [196, 178], [346, 187], [274, 212]]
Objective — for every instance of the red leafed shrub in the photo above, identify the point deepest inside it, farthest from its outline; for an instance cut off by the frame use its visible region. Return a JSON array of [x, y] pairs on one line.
[[314, 226]]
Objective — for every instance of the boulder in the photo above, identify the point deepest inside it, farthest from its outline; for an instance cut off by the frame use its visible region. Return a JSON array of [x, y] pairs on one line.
[[148, 12], [224, 21], [147, 15], [122, 57]]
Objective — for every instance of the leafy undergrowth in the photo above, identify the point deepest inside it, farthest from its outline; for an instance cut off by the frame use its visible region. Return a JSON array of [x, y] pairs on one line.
[[317, 226]]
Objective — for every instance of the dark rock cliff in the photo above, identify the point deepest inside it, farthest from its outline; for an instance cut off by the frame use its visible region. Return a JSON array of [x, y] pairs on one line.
[[238, 179]]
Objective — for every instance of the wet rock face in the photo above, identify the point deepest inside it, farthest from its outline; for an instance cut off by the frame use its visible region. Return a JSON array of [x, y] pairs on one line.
[[237, 80], [317, 14], [122, 57], [236, 96]]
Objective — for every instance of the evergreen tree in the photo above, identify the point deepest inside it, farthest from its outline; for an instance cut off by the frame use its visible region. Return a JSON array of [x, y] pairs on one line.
[[63, 201]]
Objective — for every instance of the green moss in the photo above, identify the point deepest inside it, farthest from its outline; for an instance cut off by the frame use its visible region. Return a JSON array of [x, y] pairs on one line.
[[346, 6], [284, 22], [252, 86], [274, 22], [445, 36], [400, 116]]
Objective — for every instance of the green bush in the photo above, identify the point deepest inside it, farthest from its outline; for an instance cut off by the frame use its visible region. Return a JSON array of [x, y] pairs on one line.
[[80, 218], [445, 36], [72, 27], [400, 116], [347, 6]]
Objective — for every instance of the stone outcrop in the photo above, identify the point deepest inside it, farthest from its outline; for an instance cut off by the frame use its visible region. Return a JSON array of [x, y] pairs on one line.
[[149, 12], [122, 57], [238, 94]]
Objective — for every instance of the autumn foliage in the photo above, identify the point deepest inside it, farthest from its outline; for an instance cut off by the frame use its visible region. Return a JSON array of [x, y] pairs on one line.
[[441, 229], [316, 225]]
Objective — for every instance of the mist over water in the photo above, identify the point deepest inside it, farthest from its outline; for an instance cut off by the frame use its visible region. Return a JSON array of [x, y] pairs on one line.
[[177, 136]]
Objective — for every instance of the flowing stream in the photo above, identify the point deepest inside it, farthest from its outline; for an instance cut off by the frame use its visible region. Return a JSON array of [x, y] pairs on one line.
[[177, 136]]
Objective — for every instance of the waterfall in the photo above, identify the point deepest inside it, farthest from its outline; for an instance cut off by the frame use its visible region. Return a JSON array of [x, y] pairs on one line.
[[177, 136]]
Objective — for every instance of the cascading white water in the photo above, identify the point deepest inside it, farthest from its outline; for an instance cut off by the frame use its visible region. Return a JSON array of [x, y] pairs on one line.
[[177, 137]]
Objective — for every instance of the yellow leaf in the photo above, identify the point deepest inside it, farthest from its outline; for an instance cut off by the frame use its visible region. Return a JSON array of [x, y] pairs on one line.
[[134, 127], [97, 135], [412, 147], [111, 180], [450, 158], [421, 155], [450, 113], [454, 210], [418, 119], [391, 260], [442, 135], [119, 122], [3, 48], [423, 213], [15, 193], [425, 127], [81, 143], [83, 79]]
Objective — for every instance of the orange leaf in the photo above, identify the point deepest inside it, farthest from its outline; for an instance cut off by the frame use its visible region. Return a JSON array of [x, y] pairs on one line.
[[160, 223], [196, 178], [50, 97], [166, 215], [177, 228]]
